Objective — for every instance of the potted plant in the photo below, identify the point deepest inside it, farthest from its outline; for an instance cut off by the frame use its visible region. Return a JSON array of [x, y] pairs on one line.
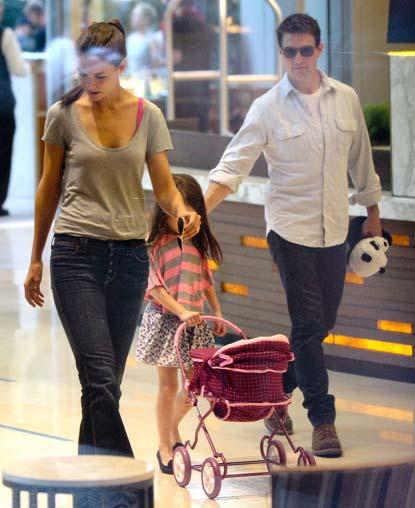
[[377, 117]]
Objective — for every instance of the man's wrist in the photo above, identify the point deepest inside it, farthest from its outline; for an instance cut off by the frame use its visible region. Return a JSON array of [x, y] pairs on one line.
[[373, 211]]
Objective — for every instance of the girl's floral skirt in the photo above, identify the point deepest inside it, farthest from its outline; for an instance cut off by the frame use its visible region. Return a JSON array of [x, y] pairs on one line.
[[155, 342]]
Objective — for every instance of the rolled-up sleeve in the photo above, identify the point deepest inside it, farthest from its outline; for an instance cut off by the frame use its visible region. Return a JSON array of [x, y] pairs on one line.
[[360, 166], [242, 152]]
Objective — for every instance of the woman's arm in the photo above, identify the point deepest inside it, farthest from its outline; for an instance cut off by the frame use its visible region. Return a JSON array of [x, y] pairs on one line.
[[11, 50], [169, 303], [167, 195], [47, 199]]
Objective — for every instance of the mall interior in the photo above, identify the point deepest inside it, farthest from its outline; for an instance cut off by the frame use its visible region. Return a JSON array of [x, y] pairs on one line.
[[204, 73]]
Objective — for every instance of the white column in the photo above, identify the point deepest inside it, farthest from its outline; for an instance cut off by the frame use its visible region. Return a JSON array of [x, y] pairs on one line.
[[402, 76]]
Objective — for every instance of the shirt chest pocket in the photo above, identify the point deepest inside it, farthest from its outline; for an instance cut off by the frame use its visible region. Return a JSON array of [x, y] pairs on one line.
[[346, 130], [287, 140]]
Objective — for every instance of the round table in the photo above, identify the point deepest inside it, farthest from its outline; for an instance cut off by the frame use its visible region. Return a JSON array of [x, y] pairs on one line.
[[84, 474]]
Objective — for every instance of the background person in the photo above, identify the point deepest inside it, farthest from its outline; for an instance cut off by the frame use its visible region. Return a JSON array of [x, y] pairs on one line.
[[145, 42], [31, 28], [11, 63]]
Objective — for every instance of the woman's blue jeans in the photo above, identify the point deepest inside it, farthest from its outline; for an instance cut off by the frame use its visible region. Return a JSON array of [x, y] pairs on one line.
[[98, 288], [313, 279]]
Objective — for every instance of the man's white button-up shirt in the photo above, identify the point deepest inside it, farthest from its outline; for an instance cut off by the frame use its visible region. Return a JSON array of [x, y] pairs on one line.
[[306, 201]]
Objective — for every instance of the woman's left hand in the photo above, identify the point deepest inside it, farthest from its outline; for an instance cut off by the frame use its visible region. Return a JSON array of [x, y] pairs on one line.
[[192, 221]]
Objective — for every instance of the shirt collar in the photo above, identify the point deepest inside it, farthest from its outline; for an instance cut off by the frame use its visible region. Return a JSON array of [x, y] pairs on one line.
[[287, 87]]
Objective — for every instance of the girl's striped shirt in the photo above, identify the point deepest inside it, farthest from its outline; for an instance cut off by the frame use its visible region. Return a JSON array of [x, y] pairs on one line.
[[182, 272]]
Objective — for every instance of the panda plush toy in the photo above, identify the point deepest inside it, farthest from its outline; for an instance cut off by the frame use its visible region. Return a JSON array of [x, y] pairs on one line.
[[366, 255]]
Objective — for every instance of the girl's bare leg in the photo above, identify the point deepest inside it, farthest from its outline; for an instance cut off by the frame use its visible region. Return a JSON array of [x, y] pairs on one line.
[[181, 407], [166, 398]]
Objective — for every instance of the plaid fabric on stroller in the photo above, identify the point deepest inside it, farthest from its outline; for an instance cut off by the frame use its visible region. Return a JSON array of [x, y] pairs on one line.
[[243, 383], [245, 377]]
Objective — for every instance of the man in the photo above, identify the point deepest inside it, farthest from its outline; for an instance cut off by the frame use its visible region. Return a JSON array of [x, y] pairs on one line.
[[31, 27], [311, 130]]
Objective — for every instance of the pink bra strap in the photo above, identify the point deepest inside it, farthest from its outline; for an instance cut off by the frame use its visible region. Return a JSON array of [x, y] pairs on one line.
[[140, 111]]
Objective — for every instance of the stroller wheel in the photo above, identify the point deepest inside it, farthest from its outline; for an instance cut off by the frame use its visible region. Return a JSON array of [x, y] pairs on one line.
[[276, 456], [211, 477], [182, 466], [306, 458], [264, 441]]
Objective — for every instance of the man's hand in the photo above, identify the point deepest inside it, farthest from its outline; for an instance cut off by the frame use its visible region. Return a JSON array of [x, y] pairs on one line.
[[372, 226]]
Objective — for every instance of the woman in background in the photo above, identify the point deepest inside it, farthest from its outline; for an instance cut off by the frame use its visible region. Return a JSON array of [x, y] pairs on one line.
[[11, 63]]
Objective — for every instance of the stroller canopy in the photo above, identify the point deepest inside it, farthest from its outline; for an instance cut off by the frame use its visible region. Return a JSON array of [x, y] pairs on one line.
[[247, 373]]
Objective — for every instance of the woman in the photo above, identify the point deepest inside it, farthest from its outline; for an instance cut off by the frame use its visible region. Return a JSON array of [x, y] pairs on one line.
[[11, 63], [97, 139]]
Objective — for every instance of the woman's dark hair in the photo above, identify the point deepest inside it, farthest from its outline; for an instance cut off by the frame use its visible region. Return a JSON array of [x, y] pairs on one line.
[[106, 40], [192, 194], [299, 24]]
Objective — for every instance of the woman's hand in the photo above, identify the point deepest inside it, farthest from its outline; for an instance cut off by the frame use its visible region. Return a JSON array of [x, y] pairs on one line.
[[219, 329], [32, 291], [192, 221], [191, 318]]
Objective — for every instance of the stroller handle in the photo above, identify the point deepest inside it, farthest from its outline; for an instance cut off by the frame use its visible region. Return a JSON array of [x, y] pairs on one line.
[[179, 331]]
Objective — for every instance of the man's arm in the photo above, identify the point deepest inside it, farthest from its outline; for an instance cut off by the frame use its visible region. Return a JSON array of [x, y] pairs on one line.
[[215, 194], [239, 157], [364, 177], [372, 226]]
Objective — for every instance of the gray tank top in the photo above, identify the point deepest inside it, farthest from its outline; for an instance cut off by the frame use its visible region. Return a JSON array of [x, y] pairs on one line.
[[102, 194]]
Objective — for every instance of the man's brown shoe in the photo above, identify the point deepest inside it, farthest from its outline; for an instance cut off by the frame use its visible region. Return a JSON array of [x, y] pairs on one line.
[[272, 424], [326, 442]]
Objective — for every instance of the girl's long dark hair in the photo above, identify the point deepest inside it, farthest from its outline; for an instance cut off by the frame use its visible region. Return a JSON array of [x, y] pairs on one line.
[[192, 194], [105, 39]]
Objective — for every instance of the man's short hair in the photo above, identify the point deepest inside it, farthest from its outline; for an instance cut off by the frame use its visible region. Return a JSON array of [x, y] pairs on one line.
[[299, 24], [34, 7]]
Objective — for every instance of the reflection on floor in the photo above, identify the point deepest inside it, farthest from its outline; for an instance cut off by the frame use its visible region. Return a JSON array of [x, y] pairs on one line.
[[39, 404]]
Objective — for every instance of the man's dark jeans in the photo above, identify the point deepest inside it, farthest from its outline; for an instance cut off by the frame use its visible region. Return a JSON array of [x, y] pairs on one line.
[[98, 287], [313, 279]]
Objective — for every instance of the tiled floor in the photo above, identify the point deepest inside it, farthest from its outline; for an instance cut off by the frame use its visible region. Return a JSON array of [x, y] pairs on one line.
[[39, 403]]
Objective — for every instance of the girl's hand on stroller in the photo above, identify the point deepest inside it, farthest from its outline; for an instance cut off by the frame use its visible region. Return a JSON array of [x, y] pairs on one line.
[[191, 318], [219, 329]]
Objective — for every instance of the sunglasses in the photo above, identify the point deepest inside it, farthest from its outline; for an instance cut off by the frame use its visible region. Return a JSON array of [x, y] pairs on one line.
[[305, 51]]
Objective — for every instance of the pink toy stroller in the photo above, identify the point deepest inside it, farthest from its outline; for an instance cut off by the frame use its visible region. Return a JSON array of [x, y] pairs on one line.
[[243, 383]]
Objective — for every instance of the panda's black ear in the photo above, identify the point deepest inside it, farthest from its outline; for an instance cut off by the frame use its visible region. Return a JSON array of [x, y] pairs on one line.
[[366, 257], [374, 245]]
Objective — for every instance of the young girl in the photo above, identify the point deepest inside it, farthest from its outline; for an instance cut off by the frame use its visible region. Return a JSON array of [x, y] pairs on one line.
[[179, 281]]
